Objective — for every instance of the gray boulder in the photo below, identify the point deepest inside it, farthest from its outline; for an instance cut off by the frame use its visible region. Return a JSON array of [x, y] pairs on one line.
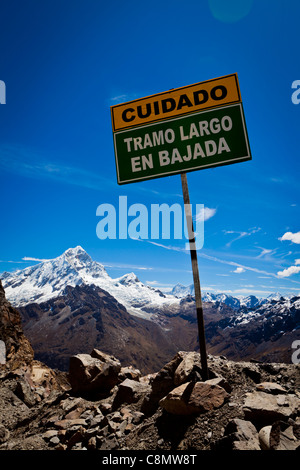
[[95, 373]]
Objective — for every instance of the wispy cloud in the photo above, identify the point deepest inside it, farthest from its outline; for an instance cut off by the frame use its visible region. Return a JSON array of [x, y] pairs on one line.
[[246, 291], [240, 268], [237, 265], [29, 258], [161, 245], [24, 161], [159, 193], [240, 234], [155, 283], [126, 266], [264, 252], [122, 98], [13, 262], [119, 98]]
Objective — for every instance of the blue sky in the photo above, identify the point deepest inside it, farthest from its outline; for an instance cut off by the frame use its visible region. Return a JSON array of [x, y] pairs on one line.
[[65, 63]]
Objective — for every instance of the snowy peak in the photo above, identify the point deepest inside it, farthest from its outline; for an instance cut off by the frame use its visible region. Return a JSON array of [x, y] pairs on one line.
[[40, 282], [74, 267], [77, 254], [79, 259], [128, 279], [181, 291], [275, 296], [249, 302]]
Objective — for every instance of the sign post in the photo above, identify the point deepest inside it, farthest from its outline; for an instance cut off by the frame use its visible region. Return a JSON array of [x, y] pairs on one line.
[[181, 130], [198, 298]]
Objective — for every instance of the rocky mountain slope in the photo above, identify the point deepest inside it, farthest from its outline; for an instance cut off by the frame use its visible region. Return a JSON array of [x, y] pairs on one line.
[[100, 405], [266, 333], [16, 346], [84, 317]]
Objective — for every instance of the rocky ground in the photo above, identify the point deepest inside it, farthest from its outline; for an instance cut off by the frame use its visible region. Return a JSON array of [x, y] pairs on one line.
[[100, 405]]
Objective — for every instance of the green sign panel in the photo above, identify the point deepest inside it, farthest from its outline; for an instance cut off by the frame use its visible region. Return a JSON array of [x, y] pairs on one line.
[[193, 142]]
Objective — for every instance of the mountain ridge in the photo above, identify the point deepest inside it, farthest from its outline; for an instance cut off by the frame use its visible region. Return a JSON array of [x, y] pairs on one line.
[[74, 267], [249, 301]]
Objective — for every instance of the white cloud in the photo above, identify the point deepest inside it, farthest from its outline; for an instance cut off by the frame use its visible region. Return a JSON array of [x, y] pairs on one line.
[[289, 271], [205, 213], [293, 237], [239, 270], [29, 258]]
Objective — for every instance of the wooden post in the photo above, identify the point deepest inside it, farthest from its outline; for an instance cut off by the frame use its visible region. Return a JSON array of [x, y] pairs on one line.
[[193, 251]]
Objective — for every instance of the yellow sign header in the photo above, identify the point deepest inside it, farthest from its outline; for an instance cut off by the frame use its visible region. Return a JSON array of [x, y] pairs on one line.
[[176, 102]]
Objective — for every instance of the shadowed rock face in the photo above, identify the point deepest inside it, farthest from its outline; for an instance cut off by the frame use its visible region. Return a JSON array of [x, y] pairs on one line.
[[87, 317], [18, 349]]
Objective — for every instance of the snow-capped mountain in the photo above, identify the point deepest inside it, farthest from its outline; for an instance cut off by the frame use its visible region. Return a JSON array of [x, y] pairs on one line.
[[181, 291], [280, 315], [236, 303], [75, 267], [266, 333], [251, 301], [48, 279]]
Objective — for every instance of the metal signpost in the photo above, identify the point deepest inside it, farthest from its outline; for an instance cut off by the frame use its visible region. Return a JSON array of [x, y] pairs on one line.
[[181, 130]]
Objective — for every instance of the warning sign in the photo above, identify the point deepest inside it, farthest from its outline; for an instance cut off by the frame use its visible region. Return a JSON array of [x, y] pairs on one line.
[[187, 129], [177, 102]]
